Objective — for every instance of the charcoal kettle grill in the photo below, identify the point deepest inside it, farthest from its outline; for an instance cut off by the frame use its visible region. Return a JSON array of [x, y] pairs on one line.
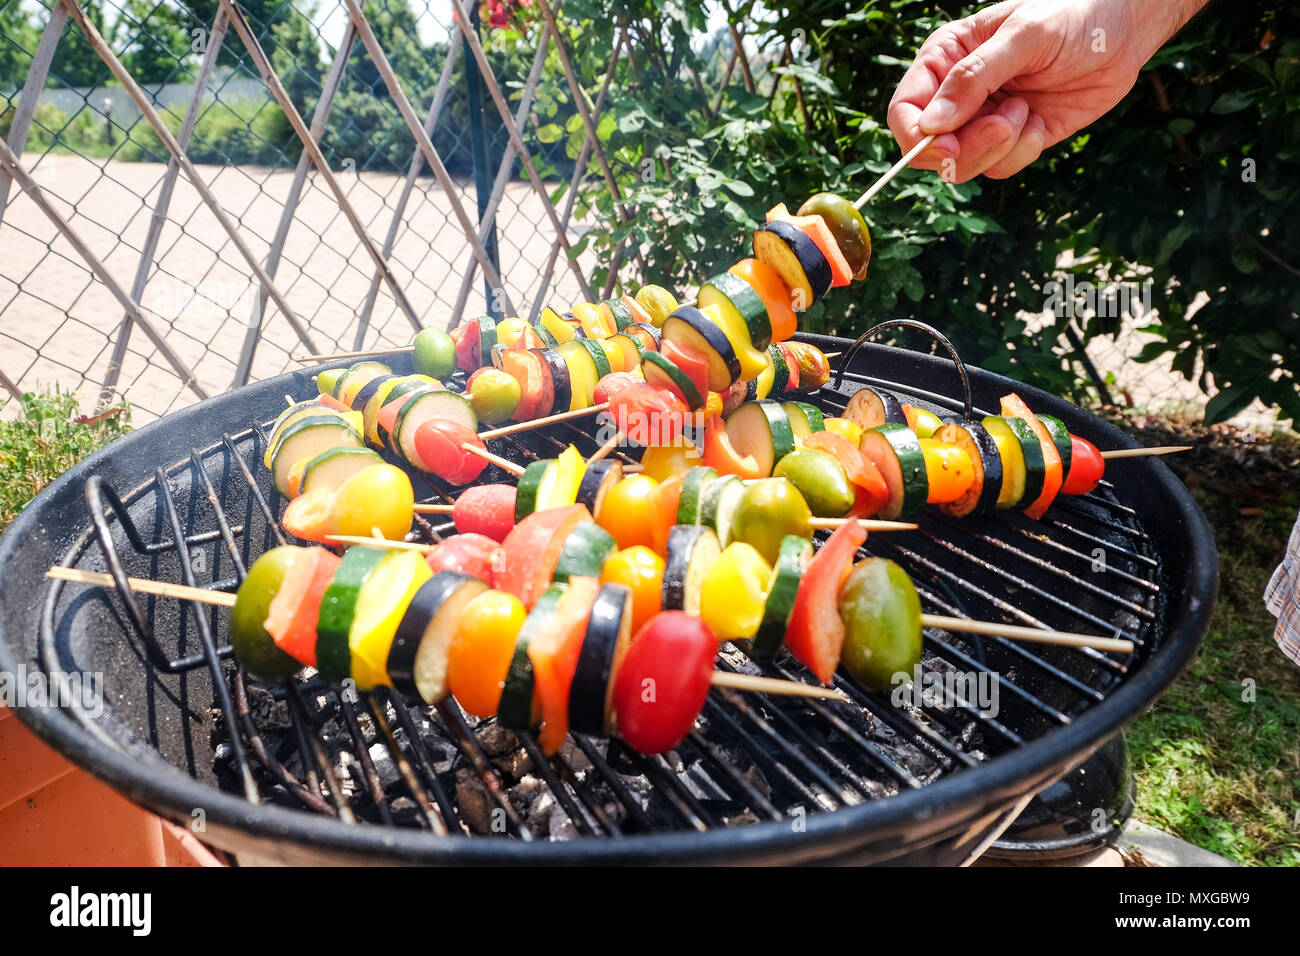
[[307, 772]]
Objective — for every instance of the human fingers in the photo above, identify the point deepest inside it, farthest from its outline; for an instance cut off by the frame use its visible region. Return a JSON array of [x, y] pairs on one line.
[[1029, 146], [988, 138], [970, 82]]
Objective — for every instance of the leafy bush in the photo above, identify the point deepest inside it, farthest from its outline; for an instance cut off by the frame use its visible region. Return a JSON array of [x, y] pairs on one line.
[[976, 259], [49, 438]]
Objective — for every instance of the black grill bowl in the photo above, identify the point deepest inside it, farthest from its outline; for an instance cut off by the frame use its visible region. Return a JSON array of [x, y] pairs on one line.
[[871, 783]]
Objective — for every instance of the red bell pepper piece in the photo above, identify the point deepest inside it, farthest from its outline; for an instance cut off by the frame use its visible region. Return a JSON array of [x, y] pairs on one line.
[[815, 633]]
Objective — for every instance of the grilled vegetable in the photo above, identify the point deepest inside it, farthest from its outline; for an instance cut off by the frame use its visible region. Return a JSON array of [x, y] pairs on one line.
[[604, 644], [253, 645], [628, 511], [475, 554], [742, 316], [896, 452], [796, 259], [981, 496], [599, 477], [485, 509], [869, 408], [815, 228], [1014, 406], [641, 571], [304, 439], [690, 506], [692, 550], [761, 430], [1086, 467], [949, 473], [292, 615], [338, 610], [922, 421], [816, 632], [734, 592], [381, 603], [533, 549], [881, 615], [782, 589], [821, 480], [518, 708], [767, 511], [660, 688], [584, 552], [767, 283], [481, 650], [1022, 460], [417, 660], [691, 329], [870, 494], [846, 225], [554, 652]]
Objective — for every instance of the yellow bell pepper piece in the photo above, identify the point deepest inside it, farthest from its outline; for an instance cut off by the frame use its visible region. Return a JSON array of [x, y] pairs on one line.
[[735, 592], [383, 599], [569, 468]]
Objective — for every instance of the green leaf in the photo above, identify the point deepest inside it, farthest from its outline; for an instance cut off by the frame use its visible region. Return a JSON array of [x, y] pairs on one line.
[[1233, 101], [1227, 403], [550, 133]]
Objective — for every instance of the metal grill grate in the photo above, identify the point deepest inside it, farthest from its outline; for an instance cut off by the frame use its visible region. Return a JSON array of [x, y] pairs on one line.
[[375, 760]]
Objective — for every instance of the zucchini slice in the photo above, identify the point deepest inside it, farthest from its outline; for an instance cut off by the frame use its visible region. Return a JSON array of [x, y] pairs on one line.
[[1061, 439], [692, 329], [896, 451], [331, 468], [350, 382], [518, 708], [584, 553], [649, 335], [692, 550], [1022, 457], [793, 557], [617, 314], [870, 408], [979, 446], [338, 608], [797, 260], [780, 372], [606, 640], [534, 485], [436, 403], [804, 419], [597, 480], [663, 371], [598, 356], [417, 661], [718, 509], [730, 291], [761, 429], [305, 439], [293, 413], [690, 505], [632, 350]]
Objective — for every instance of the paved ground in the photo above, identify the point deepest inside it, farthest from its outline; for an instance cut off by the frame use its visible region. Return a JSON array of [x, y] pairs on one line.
[[57, 324]]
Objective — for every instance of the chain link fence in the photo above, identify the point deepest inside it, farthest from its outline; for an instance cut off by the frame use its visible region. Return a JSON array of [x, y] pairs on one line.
[[95, 158]]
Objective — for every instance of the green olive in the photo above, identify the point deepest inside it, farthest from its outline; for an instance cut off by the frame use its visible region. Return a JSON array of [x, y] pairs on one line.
[[821, 479], [882, 623], [253, 646], [848, 227], [770, 509]]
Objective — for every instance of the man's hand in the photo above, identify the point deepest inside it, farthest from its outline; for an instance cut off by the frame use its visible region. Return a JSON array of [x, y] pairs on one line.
[[1001, 86]]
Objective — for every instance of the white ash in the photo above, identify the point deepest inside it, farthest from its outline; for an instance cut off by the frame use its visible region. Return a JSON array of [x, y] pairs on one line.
[[384, 765]]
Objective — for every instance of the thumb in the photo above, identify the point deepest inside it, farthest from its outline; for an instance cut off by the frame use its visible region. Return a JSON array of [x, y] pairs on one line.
[[972, 79]]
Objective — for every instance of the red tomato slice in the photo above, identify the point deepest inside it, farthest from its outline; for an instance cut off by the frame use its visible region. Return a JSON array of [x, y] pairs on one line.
[[468, 346], [691, 362], [524, 571], [438, 446], [873, 493], [1086, 467], [609, 385], [554, 653], [647, 414], [475, 554], [291, 618], [485, 509], [661, 685], [815, 633]]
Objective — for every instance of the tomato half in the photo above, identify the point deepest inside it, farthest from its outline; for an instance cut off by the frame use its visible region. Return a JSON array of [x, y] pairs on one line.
[[663, 681], [470, 553], [532, 550], [1086, 467], [438, 443], [641, 571], [647, 414], [628, 512]]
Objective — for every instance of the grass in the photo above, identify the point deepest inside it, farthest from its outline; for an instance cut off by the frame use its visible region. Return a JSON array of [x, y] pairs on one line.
[[47, 439], [1218, 756]]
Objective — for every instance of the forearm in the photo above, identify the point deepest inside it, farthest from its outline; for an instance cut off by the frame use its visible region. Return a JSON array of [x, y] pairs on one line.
[[1166, 18]]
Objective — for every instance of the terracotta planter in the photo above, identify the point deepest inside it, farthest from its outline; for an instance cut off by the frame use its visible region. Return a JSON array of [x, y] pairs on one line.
[[53, 814]]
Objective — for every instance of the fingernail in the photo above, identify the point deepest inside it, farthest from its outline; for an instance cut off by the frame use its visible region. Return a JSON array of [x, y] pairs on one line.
[[936, 116]]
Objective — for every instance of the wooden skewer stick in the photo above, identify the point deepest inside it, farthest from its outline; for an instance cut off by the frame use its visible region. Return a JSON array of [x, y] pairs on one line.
[[434, 509], [775, 685], [504, 464], [144, 586], [334, 356], [1037, 635], [749, 682], [606, 448], [868, 524], [1144, 452], [539, 422], [386, 544], [893, 171]]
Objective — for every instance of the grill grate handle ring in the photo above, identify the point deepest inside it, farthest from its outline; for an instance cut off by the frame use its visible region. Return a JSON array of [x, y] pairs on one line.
[[929, 330]]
